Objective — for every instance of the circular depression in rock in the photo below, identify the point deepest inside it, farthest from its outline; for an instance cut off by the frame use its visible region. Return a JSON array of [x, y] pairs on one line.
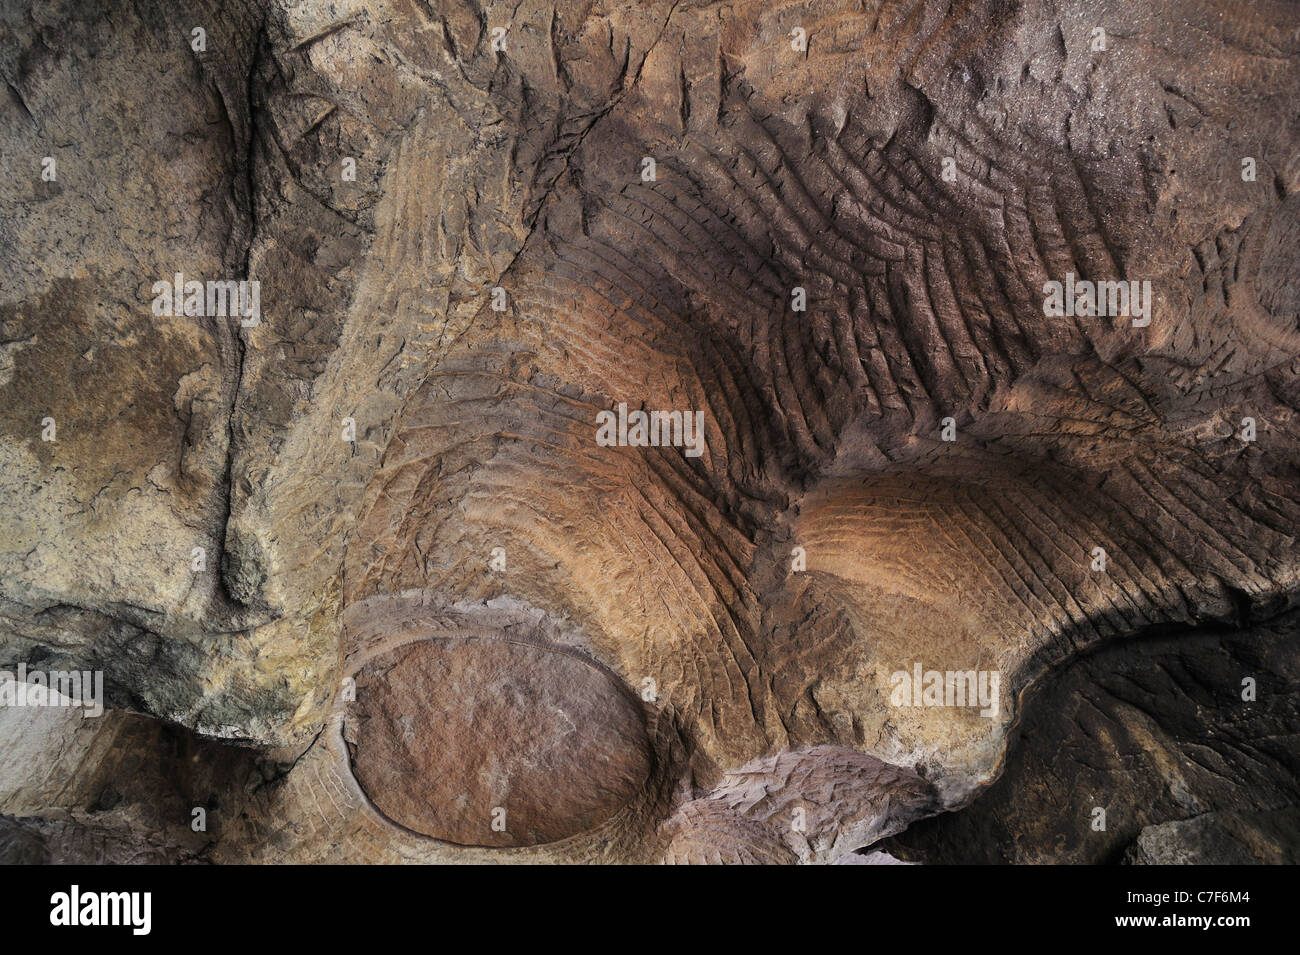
[[449, 737]]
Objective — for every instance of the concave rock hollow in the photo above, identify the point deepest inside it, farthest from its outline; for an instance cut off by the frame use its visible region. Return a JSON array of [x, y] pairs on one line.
[[450, 736]]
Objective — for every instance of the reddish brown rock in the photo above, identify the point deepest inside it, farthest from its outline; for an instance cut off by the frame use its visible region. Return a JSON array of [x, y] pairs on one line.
[[494, 743]]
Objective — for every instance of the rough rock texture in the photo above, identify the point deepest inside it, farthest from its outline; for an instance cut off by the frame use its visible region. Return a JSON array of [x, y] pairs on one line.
[[568, 743], [1148, 730], [1229, 838], [422, 587]]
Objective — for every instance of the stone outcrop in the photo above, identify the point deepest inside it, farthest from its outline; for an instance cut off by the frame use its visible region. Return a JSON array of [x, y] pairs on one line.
[[361, 566]]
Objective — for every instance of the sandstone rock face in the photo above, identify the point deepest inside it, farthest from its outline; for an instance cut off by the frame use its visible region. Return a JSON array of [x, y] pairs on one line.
[[1147, 731], [1231, 838], [922, 561], [445, 728]]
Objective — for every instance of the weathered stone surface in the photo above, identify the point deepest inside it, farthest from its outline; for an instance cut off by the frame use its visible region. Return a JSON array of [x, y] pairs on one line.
[[1228, 838], [1150, 730], [548, 744], [812, 805], [395, 485], [121, 788]]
